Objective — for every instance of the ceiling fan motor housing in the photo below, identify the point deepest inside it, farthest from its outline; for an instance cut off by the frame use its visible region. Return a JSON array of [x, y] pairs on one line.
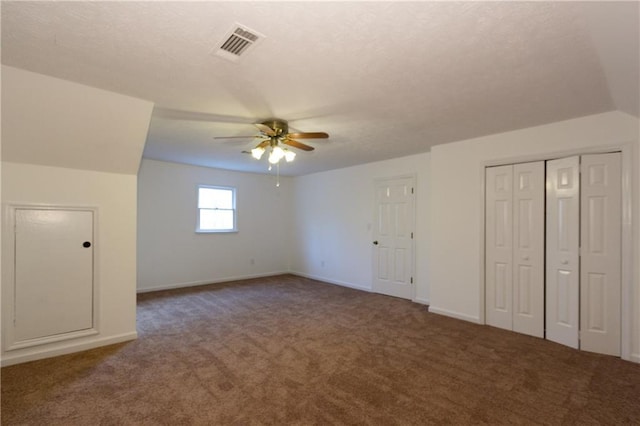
[[281, 127]]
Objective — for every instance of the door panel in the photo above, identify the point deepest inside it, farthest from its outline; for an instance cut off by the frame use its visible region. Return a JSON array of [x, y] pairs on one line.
[[594, 289], [563, 303], [400, 264], [601, 253], [53, 286], [563, 268], [501, 292], [393, 254], [525, 280], [528, 248], [499, 246], [383, 263]]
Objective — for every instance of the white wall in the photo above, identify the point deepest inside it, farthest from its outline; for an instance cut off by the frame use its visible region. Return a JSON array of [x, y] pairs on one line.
[[64, 143], [171, 254], [333, 219], [115, 197], [456, 203]]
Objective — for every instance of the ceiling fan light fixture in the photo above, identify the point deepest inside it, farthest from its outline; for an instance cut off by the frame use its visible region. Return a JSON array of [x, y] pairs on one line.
[[289, 155], [276, 155], [257, 153]]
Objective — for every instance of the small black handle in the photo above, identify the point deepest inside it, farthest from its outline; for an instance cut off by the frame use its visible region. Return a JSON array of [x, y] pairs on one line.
[[375, 243], [86, 244]]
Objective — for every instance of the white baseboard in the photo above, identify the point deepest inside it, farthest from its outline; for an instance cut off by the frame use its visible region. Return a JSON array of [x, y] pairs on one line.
[[330, 281], [41, 353], [453, 314], [212, 281], [421, 301], [635, 358]]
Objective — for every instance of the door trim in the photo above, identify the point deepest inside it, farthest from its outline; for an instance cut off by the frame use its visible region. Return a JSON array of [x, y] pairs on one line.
[[627, 151], [8, 277], [376, 181]]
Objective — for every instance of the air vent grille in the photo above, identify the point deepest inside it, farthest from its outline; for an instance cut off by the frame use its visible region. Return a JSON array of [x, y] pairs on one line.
[[237, 42]]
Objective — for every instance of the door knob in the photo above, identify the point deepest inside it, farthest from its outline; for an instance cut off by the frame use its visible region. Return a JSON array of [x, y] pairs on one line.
[[375, 243], [86, 244]]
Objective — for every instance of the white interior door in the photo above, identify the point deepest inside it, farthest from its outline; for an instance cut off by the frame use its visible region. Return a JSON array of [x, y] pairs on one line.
[[563, 269], [528, 248], [393, 237], [499, 248], [53, 289], [601, 261]]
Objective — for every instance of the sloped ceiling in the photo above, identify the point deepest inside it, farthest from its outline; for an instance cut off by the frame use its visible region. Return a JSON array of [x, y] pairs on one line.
[[384, 79], [53, 122]]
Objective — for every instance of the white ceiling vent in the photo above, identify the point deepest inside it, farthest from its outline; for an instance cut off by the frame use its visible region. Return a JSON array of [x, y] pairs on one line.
[[238, 42]]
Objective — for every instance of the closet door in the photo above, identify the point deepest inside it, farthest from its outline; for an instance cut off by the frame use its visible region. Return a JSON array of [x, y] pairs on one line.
[[563, 227], [601, 258], [514, 296], [499, 249], [528, 248], [53, 273]]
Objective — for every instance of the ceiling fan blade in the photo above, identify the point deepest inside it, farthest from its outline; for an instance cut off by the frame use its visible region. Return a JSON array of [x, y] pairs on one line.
[[297, 144], [265, 129], [264, 143], [310, 135]]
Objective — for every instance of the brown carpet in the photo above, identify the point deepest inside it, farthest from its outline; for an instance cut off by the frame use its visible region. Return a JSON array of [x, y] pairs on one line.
[[289, 350]]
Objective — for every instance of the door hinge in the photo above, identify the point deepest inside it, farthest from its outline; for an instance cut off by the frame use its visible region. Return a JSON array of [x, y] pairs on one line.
[[411, 280], [412, 235], [412, 190]]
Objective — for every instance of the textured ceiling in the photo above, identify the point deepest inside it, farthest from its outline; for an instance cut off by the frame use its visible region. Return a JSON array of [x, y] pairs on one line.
[[384, 79]]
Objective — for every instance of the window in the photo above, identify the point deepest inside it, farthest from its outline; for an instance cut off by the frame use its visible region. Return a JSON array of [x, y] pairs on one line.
[[216, 209]]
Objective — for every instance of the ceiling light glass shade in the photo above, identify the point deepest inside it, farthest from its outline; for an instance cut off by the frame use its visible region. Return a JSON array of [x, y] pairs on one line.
[[289, 155], [276, 155], [257, 153]]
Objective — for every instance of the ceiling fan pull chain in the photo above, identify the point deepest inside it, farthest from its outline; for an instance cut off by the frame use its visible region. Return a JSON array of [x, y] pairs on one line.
[[277, 174]]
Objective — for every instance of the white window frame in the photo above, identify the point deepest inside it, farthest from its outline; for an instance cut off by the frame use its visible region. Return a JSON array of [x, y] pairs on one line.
[[233, 208]]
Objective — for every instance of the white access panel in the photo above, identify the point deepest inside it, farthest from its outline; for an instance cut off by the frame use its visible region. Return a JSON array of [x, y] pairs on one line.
[[601, 258], [393, 237], [53, 278], [528, 248], [499, 246], [562, 246]]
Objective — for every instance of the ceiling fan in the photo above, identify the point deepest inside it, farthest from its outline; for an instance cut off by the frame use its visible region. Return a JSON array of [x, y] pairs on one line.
[[274, 134]]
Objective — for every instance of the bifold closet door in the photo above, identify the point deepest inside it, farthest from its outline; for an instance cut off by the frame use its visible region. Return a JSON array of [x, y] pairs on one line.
[[563, 237], [499, 246], [514, 296], [528, 248], [584, 252], [600, 266]]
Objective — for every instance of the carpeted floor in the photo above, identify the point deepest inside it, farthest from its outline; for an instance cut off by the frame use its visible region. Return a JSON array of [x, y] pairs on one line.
[[288, 350]]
